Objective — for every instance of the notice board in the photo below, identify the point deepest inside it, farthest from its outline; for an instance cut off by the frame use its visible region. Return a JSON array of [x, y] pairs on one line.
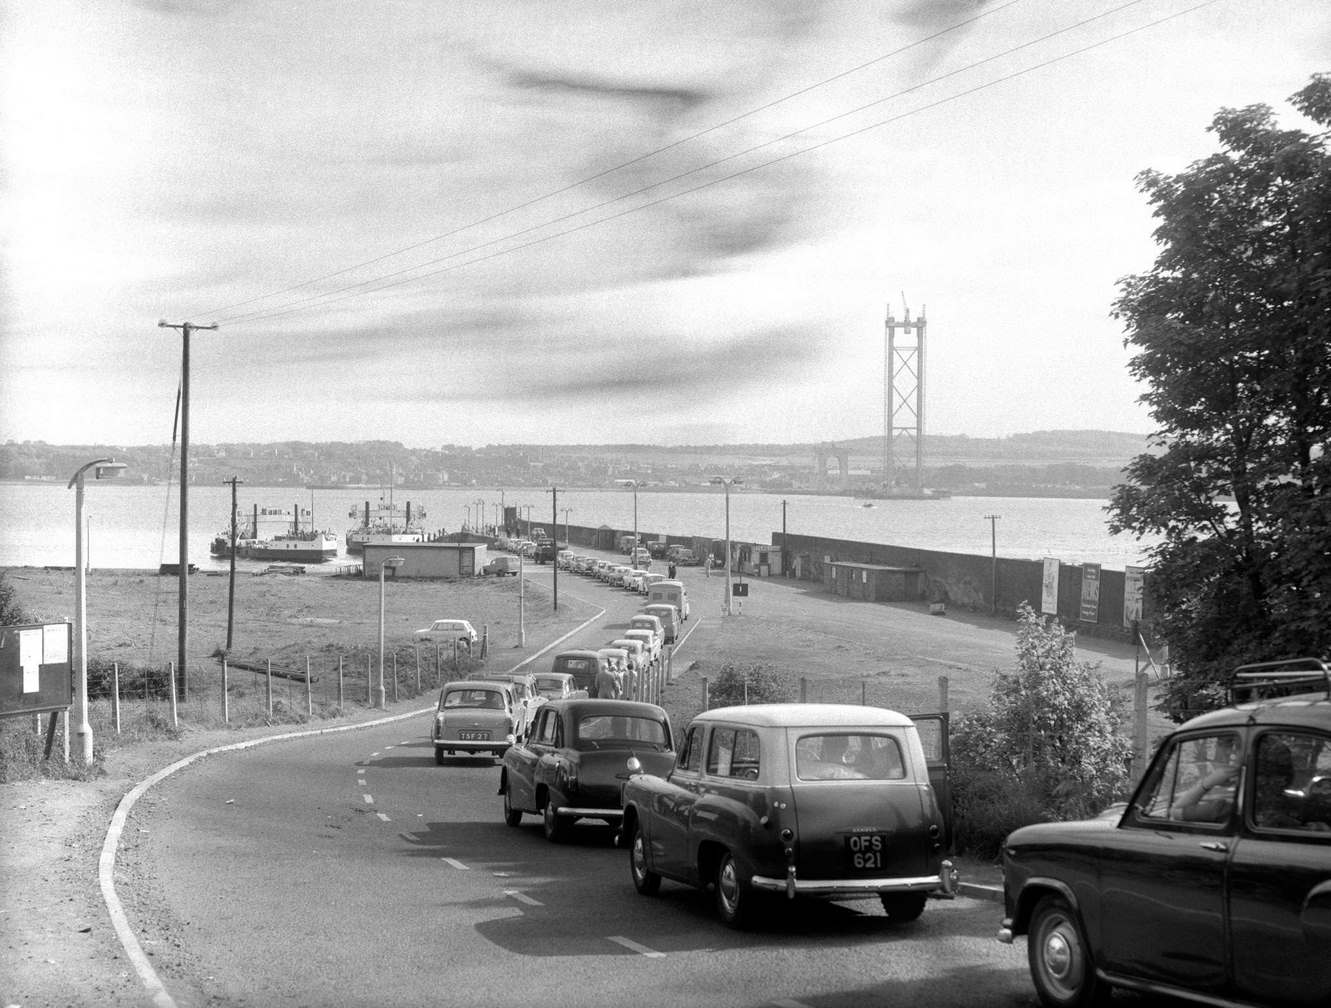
[[36, 673]]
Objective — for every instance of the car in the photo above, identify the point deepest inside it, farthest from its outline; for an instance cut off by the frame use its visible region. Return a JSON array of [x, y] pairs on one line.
[[631, 577], [502, 565], [546, 550], [657, 548], [447, 631], [646, 621], [671, 593], [648, 581], [474, 716], [574, 761], [828, 801], [669, 617], [555, 685], [1213, 882], [639, 656], [582, 664], [565, 559], [651, 645], [641, 557], [525, 697]]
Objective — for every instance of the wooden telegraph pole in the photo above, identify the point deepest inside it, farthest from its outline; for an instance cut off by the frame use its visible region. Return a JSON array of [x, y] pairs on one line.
[[182, 631], [234, 481]]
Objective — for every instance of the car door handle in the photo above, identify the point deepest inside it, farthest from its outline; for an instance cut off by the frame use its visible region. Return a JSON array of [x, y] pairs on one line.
[[1214, 845]]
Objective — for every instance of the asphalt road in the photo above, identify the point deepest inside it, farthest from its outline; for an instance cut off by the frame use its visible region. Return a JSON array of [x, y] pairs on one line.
[[351, 870]]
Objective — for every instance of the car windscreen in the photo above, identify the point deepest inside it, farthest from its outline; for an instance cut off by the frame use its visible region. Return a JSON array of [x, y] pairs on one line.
[[610, 731], [848, 756], [475, 698]]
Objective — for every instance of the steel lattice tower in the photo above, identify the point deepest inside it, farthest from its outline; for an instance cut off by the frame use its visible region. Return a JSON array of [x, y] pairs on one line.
[[903, 400]]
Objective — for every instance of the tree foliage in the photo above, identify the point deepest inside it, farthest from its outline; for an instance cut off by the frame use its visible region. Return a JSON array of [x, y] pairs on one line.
[[1232, 336], [11, 614], [739, 685], [1050, 741]]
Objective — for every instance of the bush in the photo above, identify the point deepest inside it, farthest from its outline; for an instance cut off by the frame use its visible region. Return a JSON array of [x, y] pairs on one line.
[[739, 685]]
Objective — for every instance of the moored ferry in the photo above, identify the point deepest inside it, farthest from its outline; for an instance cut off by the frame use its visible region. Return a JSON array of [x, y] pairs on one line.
[[269, 533], [385, 525]]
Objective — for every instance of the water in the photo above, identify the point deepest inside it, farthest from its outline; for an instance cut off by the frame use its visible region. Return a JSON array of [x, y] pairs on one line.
[[137, 527]]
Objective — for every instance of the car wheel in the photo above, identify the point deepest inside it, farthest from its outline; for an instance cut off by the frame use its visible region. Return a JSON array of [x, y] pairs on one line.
[[439, 755], [902, 908], [1060, 961], [512, 816], [733, 897], [645, 880], [555, 828]]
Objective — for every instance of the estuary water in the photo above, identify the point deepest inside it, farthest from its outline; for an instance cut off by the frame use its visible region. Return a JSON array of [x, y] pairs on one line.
[[137, 527]]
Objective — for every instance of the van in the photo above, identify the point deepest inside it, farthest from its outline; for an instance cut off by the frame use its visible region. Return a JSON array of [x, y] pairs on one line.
[[669, 617], [671, 593], [582, 665], [502, 565]]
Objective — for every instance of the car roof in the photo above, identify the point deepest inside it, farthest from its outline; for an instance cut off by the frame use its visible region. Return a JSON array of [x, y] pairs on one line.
[[584, 707], [807, 715], [577, 653], [1311, 710], [487, 684], [652, 609]]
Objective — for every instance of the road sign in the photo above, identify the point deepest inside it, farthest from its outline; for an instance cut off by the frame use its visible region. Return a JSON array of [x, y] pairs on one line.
[[740, 589], [35, 670]]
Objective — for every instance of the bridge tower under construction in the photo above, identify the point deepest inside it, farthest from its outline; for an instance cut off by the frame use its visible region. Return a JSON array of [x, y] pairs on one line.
[[903, 405]]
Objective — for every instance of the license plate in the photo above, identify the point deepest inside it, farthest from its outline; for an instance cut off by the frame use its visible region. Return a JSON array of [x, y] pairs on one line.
[[866, 851], [474, 736]]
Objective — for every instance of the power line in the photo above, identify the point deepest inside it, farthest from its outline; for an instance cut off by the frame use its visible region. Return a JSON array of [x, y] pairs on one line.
[[619, 167], [352, 291]]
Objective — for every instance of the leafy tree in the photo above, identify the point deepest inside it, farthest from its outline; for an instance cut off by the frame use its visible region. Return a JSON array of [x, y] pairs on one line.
[[1232, 333], [1050, 744]]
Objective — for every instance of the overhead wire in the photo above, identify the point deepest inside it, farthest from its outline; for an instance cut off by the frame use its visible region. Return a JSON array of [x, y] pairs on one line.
[[376, 285], [619, 167]]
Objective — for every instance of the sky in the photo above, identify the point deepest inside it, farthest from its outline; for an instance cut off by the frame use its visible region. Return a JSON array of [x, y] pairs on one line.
[[506, 222]]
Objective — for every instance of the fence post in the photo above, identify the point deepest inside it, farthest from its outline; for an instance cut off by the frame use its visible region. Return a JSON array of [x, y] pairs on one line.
[[171, 674], [268, 689], [369, 681], [115, 694], [864, 692], [804, 690], [418, 669], [340, 697], [942, 694], [226, 700], [394, 675], [706, 699], [309, 697], [437, 677]]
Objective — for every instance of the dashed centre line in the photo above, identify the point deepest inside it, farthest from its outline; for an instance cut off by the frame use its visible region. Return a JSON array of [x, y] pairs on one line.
[[454, 862], [633, 946], [383, 817], [369, 799], [522, 897]]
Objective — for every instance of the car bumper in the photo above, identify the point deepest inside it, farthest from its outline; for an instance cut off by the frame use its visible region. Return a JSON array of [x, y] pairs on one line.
[[586, 812], [944, 885], [496, 746]]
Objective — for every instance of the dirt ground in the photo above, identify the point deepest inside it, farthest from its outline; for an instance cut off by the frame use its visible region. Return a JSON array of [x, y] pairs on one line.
[[58, 944]]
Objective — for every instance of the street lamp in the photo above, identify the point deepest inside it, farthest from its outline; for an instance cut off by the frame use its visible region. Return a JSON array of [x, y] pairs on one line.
[[992, 519], [527, 508], [380, 699], [568, 543], [102, 468], [727, 482], [633, 485]]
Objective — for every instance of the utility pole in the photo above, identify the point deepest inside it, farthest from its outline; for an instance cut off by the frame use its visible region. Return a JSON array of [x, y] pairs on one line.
[[992, 519], [182, 615], [234, 481], [554, 538]]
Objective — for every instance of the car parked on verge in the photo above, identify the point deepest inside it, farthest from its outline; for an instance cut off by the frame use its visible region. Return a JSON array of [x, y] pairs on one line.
[[573, 763], [474, 716], [502, 565], [446, 631], [822, 800], [1214, 882]]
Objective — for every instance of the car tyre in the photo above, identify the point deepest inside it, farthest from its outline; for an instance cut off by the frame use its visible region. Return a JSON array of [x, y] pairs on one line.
[[1060, 959], [902, 908], [439, 755], [512, 816], [734, 898], [646, 881], [554, 827]]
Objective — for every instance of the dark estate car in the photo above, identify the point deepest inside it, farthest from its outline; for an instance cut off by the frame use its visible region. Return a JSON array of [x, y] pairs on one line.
[[573, 763], [823, 800], [1214, 883]]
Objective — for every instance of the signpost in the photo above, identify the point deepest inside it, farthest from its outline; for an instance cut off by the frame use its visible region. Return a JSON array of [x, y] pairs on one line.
[[36, 672]]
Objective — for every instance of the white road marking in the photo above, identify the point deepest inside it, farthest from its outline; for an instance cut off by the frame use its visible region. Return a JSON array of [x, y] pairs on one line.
[[368, 799], [383, 817], [456, 864], [790, 1003], [633, 946], [522, 897]]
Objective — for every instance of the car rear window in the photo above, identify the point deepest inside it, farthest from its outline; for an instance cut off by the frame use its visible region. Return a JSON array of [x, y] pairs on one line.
[[575, 664], [849, 756], [601, 731], [475, 698]]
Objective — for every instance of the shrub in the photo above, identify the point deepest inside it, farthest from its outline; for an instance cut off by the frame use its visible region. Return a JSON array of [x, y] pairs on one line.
[[738, 685]]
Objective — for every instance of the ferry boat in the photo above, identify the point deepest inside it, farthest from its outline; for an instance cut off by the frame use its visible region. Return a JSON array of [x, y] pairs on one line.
[[385, 525], [269, 533]]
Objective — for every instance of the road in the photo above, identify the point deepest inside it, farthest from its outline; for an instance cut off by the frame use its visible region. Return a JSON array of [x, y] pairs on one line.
[[351, 870]]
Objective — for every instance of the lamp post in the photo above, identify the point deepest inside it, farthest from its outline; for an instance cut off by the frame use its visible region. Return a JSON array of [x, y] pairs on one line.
[[467, 523], [380, 699], [567, 542], [102, 468], [527, 508], [727, 482]]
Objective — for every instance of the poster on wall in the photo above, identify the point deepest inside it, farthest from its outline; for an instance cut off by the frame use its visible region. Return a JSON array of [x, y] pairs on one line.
[[1090, 593], [1049, 587], [1134, 584]]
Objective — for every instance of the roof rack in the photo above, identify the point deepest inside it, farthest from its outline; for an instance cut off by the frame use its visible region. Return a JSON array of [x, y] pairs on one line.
[[1272, 679]]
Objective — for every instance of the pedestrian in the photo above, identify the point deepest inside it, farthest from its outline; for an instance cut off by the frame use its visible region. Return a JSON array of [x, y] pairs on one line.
[[707, 567], [671, 569]]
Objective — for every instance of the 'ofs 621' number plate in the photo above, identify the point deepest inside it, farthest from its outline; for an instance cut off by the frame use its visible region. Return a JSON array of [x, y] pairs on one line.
[[866, 851]]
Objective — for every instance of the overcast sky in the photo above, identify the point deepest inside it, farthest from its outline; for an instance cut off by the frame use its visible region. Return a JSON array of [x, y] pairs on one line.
[[504, 221]]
